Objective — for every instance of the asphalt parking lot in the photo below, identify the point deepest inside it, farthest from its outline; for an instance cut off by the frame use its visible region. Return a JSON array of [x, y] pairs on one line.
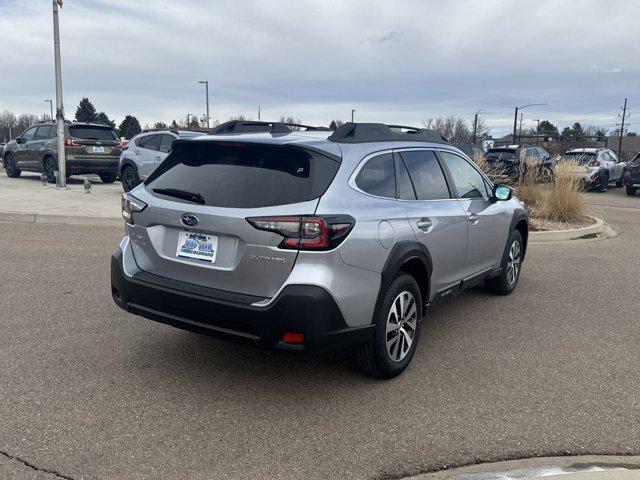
[[87, 391]]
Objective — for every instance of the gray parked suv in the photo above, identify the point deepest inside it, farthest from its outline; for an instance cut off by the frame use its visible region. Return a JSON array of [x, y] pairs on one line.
[[145, 152], [315, 240]]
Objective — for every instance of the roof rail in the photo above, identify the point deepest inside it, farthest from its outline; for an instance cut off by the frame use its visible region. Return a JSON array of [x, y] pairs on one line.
[[379, 132], [250, 126]]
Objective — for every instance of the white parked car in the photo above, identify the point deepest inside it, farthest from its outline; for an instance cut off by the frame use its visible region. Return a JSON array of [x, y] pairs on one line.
[[598, 167]]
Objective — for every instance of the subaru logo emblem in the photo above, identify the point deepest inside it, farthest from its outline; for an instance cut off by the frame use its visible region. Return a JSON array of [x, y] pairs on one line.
[[189, 220]]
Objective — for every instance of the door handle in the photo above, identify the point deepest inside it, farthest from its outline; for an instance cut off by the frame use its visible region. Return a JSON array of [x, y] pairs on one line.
[[158, 158], [473, 218], [137, 152], [424, 224]]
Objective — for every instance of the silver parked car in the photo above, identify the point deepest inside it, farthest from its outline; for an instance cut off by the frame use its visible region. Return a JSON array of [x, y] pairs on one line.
[[145, 152], [315, 240], [598, 167]]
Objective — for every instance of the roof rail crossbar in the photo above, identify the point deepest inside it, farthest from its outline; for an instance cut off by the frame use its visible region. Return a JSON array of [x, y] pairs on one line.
[[379, 132]]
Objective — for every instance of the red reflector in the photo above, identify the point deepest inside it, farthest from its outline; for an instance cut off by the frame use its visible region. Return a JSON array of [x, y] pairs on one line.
[[293, 337]]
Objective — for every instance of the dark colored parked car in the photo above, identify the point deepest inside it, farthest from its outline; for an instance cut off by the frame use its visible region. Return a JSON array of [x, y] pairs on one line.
[[631, 177], [91, 148], [470, 150], [509, 158]]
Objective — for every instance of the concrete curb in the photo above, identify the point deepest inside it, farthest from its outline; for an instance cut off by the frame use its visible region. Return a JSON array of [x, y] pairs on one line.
[[527, 468], [60, 219], [562, 235]]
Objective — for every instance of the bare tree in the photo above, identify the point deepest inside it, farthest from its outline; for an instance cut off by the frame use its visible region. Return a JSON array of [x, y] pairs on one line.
[[284, 119], [8, 122], [456, 129], [25, 120]]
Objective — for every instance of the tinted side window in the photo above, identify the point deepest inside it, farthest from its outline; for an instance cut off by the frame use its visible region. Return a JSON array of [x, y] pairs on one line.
[[426, 174], [165, 143], [43, 132], [405, 187], [378, 176], [29, 134], [152, 142], [468, 181]]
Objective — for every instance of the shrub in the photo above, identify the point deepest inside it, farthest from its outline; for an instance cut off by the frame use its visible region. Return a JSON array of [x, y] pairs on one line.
[[564, 202], [529, 189], [494, 171]]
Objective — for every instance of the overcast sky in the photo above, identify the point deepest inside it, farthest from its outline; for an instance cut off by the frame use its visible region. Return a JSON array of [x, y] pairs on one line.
[[393, 61]]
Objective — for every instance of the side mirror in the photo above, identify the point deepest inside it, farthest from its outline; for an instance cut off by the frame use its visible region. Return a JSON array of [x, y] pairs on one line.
[[502, 192], [20, 140]]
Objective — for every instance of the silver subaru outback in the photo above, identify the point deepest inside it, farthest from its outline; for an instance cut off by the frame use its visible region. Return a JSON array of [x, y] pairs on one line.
[[313, 240]]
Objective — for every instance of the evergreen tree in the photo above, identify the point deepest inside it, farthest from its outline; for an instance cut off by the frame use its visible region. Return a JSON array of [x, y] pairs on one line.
[[129, 127], [103, 118], [547, 128], [333, 125], [86, 112]]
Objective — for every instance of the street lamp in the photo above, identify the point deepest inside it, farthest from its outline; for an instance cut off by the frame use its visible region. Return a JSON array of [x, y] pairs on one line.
[[352, 112], [206, 86], [515, 117], [61, 181], [50, 107]]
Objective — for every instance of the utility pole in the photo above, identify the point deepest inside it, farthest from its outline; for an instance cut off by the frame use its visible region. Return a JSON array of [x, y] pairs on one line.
[[50, 107], [537, 130], [352, 112], [206, 86], [258, 112], [61, 181], [475, 126], [520, 131], [624, 117], [189, 120]]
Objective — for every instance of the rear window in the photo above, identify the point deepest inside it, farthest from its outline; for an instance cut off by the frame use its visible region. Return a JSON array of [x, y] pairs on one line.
[[581, 157], [636, 160], [92, 133], [244, 175]]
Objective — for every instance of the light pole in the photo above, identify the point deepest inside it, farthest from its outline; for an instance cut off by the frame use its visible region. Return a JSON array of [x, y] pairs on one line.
[[61, 181], [206, 87], [515, 117], [189, 121], [352, 112], [50, 107], [475, 125]]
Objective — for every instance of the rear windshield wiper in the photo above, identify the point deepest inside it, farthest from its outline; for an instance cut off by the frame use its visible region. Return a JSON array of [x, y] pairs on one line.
[[174, 192]]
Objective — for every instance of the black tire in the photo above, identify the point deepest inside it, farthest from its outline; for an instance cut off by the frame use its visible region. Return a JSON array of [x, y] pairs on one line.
[[604, 182], [10, 167], [374, 357], [108, 177], [620, 182], [631, 191], [505, 283], [129, 178], [49, 168]]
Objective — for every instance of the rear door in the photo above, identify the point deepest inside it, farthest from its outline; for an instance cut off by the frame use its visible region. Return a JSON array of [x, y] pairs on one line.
[[487, 221], [237, 181], [437, 219], [147, 151], [44, 133]]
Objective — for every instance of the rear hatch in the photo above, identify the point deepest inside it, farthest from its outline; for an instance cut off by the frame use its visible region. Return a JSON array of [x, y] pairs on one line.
[[208, 241], [505, 159], [93, 141], [633, 170]]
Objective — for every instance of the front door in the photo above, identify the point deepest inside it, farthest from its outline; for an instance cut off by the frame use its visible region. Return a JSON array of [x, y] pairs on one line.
[[487, 221], [22, 154], [438, 221]]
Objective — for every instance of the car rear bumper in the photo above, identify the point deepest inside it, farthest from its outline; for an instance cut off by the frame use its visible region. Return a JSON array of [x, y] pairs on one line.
[[631, 181], [306, 309], [79, 165]]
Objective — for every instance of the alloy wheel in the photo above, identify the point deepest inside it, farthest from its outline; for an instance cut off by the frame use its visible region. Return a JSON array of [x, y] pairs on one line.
[[128, 179], [49, 169], [402, 322], [513, 263]]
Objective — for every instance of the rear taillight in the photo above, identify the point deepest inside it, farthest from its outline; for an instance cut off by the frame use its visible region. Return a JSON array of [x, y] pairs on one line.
[[71, 142], [307, 232], [594, 164], [123, 145], [131, 205]]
